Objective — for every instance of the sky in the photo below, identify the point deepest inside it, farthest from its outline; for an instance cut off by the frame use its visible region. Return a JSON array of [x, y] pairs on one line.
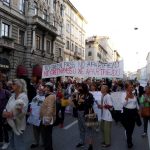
[[117, 19]]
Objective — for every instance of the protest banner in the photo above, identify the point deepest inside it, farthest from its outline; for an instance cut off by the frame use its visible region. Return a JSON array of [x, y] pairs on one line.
[[84, 69], [116, 99]]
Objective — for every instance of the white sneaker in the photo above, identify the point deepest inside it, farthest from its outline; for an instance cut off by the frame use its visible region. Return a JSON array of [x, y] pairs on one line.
[[5, 146], [125, 134], [144, 134]]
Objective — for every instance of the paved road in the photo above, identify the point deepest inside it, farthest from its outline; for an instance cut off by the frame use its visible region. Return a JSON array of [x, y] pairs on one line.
[[67, 138]]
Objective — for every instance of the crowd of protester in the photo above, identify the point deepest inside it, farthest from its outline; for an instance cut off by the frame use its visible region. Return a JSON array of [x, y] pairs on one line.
[[49, 98]]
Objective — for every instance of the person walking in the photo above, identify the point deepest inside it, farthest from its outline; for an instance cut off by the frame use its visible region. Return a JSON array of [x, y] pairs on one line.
[[84, 103], [4, 97], [106, 104], [48, 116], [145, 103], [130, 111], [20, 93], [37, 127]]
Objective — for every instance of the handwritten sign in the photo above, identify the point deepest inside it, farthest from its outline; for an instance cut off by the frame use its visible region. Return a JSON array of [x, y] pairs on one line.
[[84, 69], [116, 99]]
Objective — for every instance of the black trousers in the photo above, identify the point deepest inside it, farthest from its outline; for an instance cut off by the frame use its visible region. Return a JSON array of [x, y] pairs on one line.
[[145, 120], [3, 130], [62, 109], [47, 137], [128, 121]]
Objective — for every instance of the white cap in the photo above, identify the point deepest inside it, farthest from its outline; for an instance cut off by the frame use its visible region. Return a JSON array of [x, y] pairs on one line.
[[49, 84]]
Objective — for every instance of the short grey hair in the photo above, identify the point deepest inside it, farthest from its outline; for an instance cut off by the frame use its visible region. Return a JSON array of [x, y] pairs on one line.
[[22, 84]]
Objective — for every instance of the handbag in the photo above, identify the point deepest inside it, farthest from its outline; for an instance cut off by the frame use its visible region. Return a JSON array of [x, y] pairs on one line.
[[145, 111], [116, 114], [64, 102], [91, 119]]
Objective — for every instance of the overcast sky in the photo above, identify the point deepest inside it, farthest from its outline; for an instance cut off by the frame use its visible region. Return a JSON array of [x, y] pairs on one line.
[[117, 19]]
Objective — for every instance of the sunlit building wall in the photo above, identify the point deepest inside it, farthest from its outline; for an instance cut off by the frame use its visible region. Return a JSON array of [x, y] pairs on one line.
[[98, 49], [74, 33]]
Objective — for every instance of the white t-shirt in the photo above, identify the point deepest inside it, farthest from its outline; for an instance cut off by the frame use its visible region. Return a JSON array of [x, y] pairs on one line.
[[131, 103], [97, 97], [106, 115]]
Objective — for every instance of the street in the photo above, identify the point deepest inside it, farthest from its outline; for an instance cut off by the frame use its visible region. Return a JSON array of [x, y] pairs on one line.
[[68, 137]]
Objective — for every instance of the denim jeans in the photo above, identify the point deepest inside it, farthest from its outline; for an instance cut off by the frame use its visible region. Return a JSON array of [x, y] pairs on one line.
[[17, 142], [82, 127]]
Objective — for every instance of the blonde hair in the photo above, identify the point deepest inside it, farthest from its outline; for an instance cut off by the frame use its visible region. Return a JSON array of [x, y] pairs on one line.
[[22, 84]]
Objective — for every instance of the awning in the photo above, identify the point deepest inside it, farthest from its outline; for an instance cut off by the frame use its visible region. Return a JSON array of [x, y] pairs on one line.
[[4, 63], [37, 71], [22, 71]]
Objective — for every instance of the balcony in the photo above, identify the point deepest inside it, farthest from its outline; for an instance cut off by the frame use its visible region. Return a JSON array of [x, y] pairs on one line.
[[46, 24], [7, 43], [78, 55]]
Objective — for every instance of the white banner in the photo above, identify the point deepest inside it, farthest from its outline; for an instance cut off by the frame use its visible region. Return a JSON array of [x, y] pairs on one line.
[[116, 99], [84, 69]]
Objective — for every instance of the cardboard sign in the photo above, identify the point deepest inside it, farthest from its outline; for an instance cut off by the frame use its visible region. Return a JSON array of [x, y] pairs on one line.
[[116, 99]]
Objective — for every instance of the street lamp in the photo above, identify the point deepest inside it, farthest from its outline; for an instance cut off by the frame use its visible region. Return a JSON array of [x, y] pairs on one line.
[[135, 28]]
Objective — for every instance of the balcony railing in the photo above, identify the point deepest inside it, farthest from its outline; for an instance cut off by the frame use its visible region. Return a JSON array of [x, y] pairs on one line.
[[7, 42]]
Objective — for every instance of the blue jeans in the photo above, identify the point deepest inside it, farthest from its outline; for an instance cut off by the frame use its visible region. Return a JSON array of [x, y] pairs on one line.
[[17, 142]]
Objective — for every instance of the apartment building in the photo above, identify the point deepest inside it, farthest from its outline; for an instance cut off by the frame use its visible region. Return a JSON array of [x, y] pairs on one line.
[[98, 49], [74, 33]]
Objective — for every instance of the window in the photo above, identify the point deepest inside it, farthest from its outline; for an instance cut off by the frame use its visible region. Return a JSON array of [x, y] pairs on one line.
[[99, 56], [48, 46], [80, 36], [89, 53], [21, 37], [59, 30], [59, 51], [72, 15], [61, 10], [5, 29], [35, 8], [6, 2], [45, 14], [54, 5], [38, 41], [72, 29], [79, 51], [21, 6], [68, 27], [76, 48], [72, 47], [83, 52], [67, 45]]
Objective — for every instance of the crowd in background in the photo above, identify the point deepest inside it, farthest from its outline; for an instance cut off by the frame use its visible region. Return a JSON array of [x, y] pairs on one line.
[[51, 97]]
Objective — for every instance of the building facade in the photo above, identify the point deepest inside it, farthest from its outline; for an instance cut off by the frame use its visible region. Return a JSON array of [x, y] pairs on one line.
[[74, 33], [31, 34], [98, 49]]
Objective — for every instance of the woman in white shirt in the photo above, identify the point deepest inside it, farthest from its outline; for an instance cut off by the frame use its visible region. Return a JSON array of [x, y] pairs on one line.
[[130, 111], [20, 92], [106, 122]]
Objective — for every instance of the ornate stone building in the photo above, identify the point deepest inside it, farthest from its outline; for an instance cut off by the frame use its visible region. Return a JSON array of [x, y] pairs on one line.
[[31, 34]]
